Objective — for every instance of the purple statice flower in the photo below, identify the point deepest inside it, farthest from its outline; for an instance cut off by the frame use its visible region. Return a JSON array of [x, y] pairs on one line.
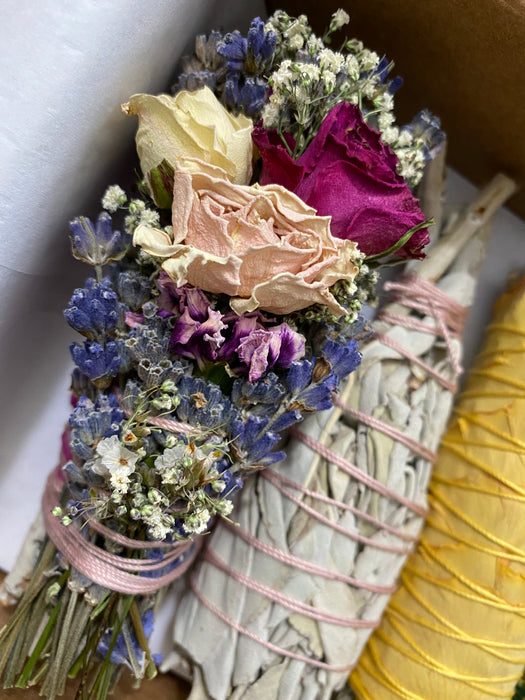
[[197, 332], [169, 294], [239, 327], [97, 244], [99, 363], [264, 349], [344, 358], [95, 310]]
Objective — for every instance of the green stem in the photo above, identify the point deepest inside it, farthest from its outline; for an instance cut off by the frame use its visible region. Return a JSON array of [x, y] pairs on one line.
[[58, 668], [285, 142], [102, 680], [35, 656], [400, 243], [141, 638], [135, 663]]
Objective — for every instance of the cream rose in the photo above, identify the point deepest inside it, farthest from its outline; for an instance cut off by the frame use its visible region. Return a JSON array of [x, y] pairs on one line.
[[194, 125], [262, 246]]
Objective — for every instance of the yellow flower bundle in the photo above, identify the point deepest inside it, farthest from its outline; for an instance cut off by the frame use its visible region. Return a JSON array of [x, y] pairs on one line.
[[456, 626]]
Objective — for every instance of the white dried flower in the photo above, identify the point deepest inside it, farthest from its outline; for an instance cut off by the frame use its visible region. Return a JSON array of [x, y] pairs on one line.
[[149, 217], [369, 89], [119, 481], [339, 19], [331, 60], [224, 507], [369, 60], [271, 115], [385, 120], [113, 457], [114, 197], [385, 102], [352, 66], [136, 206], [391, 134], [329, 80], [296, 28], [405, 138], [296, 42], [197, 522], [407, 170], [310, 71], [314, 45]]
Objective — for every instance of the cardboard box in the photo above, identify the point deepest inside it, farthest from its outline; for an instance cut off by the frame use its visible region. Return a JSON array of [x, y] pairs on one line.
[[463, 59]]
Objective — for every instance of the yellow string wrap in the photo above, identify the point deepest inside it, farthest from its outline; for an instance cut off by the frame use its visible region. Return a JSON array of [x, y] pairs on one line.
[[456, 626]]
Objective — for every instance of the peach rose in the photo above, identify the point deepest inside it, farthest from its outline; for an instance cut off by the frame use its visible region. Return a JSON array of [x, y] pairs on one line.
[[262, 246], [193, 125]]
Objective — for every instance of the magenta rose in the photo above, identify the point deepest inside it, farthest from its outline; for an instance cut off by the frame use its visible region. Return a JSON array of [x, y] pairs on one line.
[[348, 173]]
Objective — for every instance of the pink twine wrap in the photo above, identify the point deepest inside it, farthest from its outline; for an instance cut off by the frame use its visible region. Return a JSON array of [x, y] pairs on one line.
[[449, 316], [120, 574]]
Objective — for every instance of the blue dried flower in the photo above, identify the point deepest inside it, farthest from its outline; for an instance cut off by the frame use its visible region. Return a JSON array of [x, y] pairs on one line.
[[318, 397], [245, 93], [261, 397], [247, 62], [94, 310], [299, 375], [343, 358], [92, 421], [97, 245], [286, 420], [426, 128], [233, 47], [99, 363], [203, 404], [133, 289], [250, 56], [254, 442], [310, 393], [120, 654]]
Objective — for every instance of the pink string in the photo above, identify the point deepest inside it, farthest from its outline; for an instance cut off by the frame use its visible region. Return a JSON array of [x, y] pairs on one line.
[[422, 296], [394, 345], [304, 565], [272, 647], [416, 293], [286, 601], [333, 525], [354, 471], [274, 477], [110, 570], [171, 425], [389, 430]]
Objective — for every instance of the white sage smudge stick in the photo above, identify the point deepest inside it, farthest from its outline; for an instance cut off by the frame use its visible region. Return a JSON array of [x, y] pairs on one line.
[[283, 604]]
